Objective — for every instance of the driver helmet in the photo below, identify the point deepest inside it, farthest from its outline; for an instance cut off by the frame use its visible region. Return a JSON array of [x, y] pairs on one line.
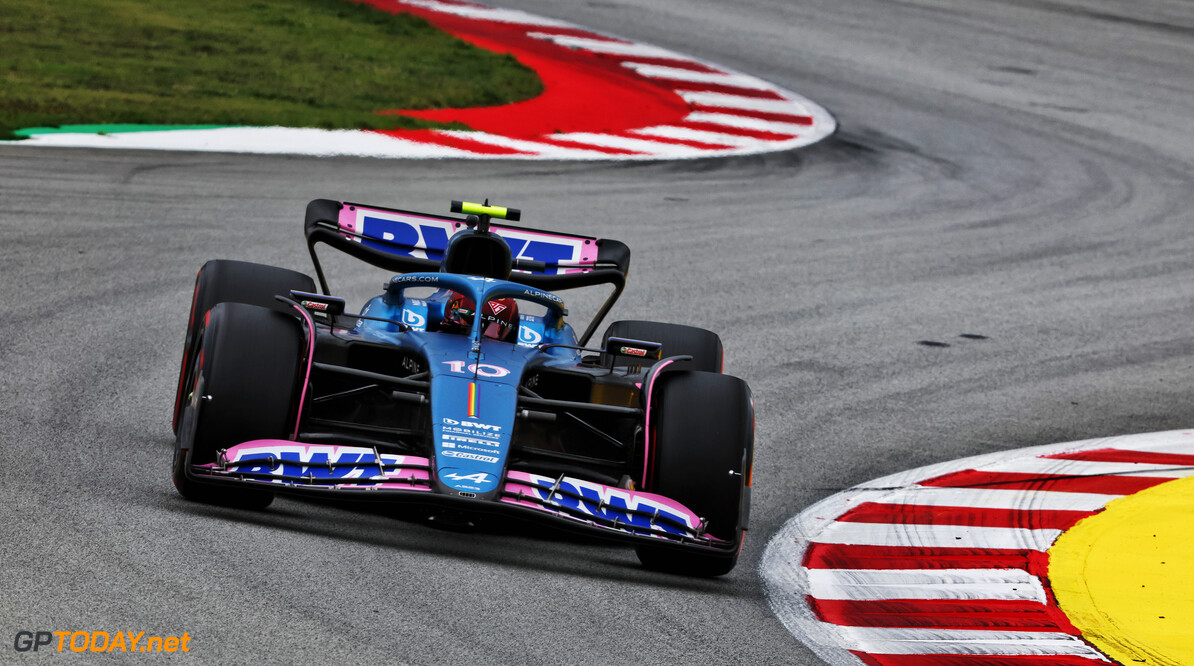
[[499, 317]]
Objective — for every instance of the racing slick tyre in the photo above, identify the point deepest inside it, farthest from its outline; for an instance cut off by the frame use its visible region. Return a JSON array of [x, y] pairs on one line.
[[224, 280], [677, 339], [245, 380], [702, 449]]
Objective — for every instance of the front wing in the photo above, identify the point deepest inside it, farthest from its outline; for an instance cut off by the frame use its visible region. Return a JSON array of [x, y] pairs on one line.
[[354, 472]]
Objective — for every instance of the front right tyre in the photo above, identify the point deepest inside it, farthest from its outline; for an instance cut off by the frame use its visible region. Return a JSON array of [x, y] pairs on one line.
[[223, 281], [246, 384]]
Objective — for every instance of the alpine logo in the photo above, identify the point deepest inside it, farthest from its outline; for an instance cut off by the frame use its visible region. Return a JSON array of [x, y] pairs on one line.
[[478, 477]]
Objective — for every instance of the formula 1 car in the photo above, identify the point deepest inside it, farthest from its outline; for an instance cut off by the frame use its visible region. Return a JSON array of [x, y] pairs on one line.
[[463, 387]]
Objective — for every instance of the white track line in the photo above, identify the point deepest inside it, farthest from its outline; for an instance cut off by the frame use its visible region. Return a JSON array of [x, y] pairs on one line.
[[963, 642], [747, 123], [726, 101], [871, 584], [609, 46], [643, 145], [495, 14], [936, 536], [1181, 445], [713, 78], [702, 136], [534, 147], [259, 140], [996, 499], [1063, 467]]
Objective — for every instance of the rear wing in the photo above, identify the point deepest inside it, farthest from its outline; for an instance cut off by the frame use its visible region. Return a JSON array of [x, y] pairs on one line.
[[404, 241]]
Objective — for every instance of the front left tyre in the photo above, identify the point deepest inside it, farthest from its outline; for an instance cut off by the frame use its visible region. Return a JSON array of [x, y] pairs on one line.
[[700, 454]]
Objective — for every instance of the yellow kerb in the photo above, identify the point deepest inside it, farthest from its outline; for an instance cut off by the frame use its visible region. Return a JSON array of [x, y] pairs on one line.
[[1125, 577]]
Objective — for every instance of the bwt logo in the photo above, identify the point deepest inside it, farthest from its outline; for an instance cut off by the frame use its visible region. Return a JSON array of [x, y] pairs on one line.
[[99, 641], [428, 239]]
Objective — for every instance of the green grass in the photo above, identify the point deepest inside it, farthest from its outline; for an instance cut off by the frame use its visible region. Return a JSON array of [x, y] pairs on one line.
[[296, 63]]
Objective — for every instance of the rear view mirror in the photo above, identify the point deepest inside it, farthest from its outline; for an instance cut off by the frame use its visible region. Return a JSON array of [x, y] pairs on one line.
[[639, 349]]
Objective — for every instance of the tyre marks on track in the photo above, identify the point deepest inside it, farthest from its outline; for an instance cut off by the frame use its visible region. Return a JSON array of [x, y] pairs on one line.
[[949, 564]]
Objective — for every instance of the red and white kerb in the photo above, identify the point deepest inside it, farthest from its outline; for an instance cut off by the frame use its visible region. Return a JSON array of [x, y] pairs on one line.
[[948, 564]]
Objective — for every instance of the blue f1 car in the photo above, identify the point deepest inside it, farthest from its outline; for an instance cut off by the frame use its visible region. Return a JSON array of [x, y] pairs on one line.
[[463, 387]]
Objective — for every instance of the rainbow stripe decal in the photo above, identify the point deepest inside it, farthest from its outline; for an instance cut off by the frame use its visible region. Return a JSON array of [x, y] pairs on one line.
[[472, 399]]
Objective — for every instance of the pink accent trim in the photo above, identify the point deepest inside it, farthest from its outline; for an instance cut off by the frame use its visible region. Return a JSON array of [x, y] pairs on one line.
[[348, 220], [382, 486], [182, 371], [523, 480], [310, 359], [584, 247], [532, 485], [254, 446], [351, 216], [516, 488], [647, 421], [414, 468]]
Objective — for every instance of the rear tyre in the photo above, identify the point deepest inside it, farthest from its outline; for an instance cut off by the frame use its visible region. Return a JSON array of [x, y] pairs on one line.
[[246, 378], [704, 346], [702, 435], [224, 280]]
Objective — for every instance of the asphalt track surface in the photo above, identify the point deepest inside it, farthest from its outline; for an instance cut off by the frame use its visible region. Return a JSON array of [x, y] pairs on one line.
[[1015, 170]]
